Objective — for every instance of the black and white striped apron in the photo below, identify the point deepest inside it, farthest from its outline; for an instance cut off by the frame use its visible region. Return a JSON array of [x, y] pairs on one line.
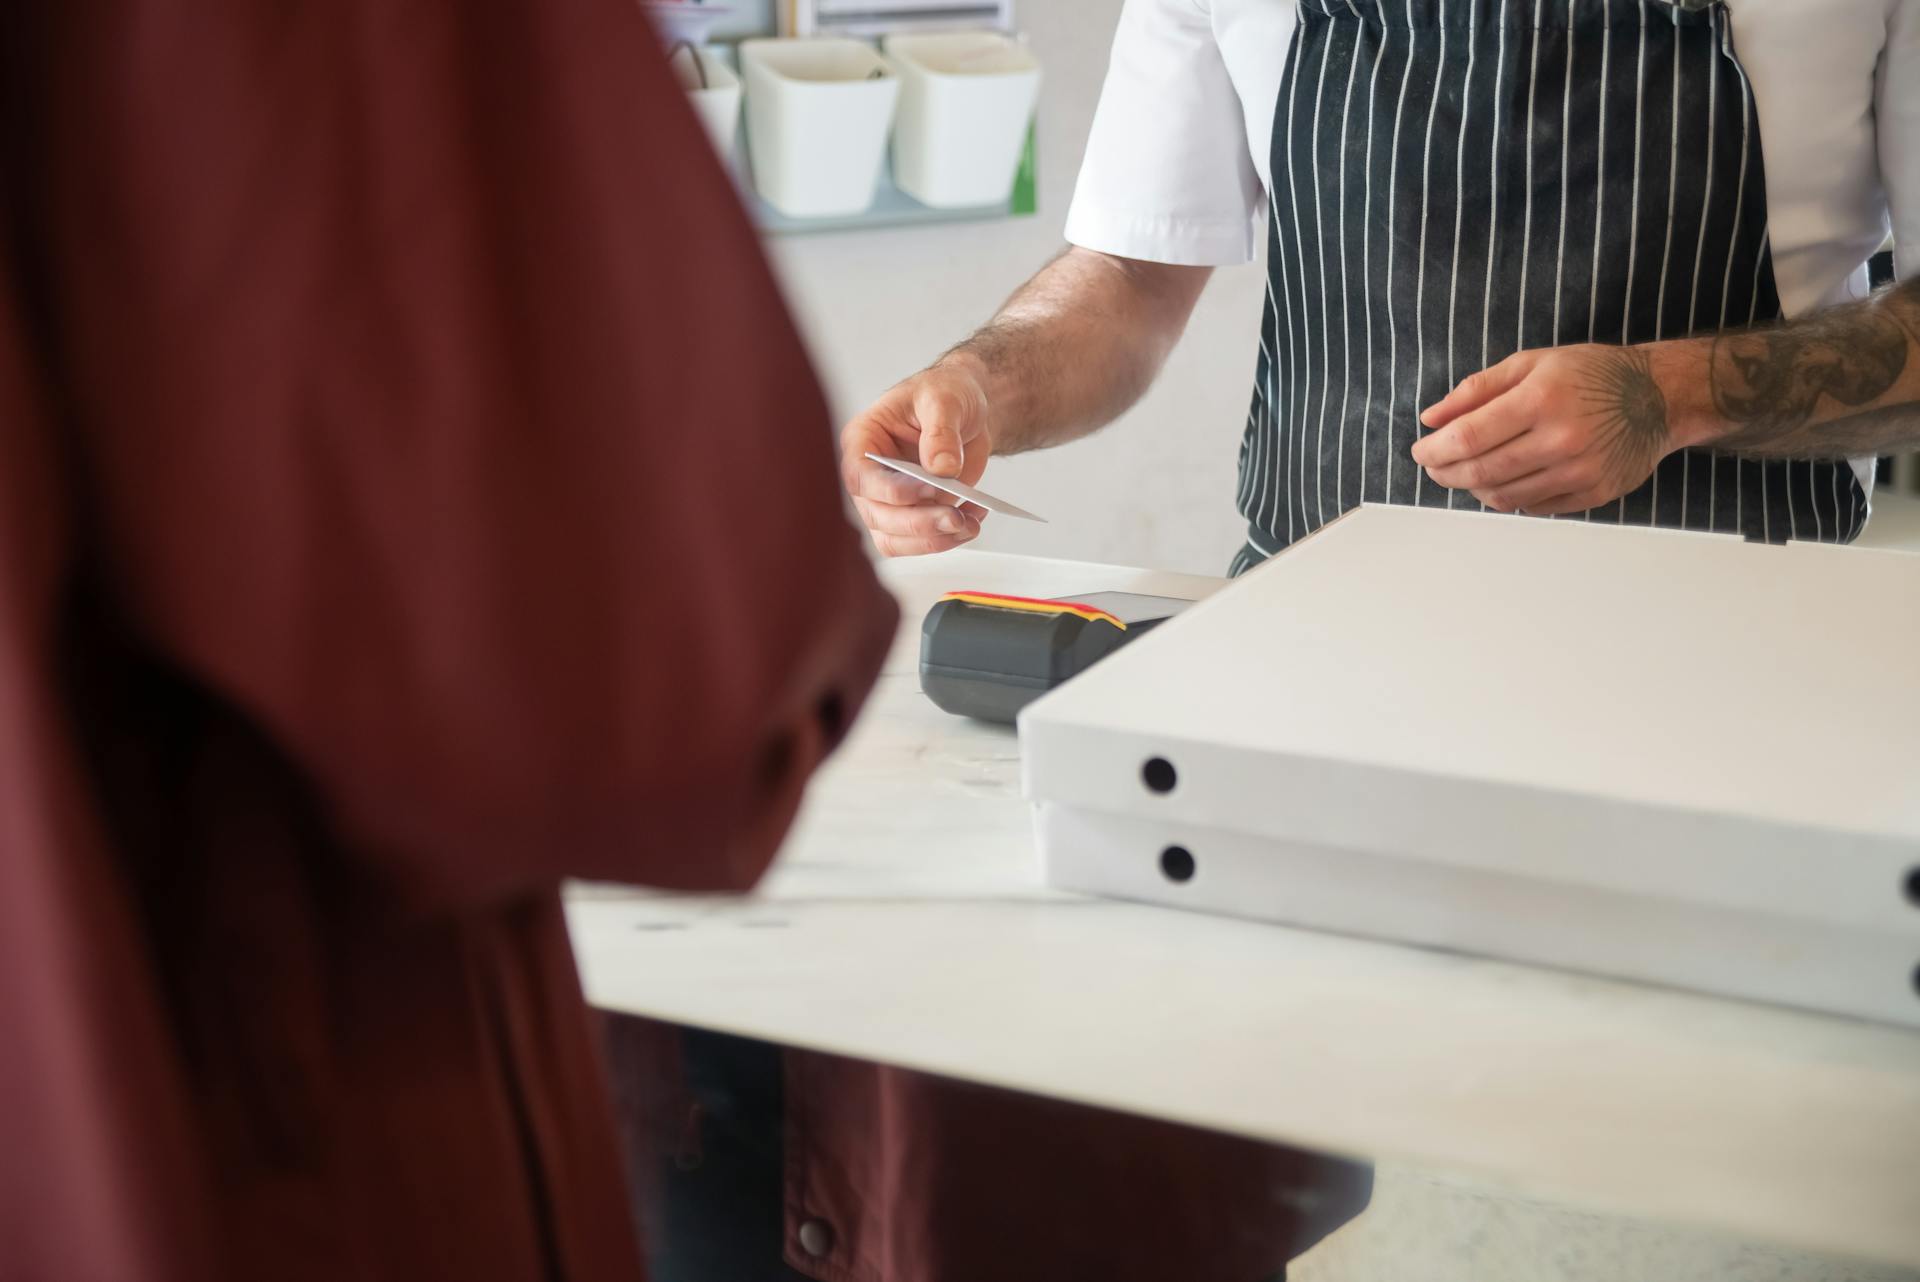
[[1457, 180]]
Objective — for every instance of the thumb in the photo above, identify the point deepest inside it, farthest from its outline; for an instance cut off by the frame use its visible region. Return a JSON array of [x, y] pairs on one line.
[[942, 416]]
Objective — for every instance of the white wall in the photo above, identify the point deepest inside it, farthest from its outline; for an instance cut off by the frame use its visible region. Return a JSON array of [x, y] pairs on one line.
[[1154, 489]]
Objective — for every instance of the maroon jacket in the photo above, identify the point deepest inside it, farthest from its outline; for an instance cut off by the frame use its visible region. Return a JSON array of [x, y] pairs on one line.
[[411, 491]]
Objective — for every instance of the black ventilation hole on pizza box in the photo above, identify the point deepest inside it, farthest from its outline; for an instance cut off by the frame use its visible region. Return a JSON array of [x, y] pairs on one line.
[[1176, 863], [1913, 885], [1159, 774], [1916, 980]]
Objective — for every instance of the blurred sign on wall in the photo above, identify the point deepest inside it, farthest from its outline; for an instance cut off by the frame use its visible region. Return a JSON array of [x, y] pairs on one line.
[[880, 17]]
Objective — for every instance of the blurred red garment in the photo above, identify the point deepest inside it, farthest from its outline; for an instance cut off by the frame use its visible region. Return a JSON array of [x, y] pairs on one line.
[[411, 492]]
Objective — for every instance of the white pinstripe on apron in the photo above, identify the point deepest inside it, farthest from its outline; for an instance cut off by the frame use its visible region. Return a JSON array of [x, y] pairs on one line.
[[1456, 180]]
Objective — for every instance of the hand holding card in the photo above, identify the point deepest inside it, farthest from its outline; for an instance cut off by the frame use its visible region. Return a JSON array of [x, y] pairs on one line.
[[940, 419], [959, 489]]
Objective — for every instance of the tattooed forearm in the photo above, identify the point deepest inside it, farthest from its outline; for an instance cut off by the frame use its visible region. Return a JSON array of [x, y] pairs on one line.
[[1840, 383], [1632, 429], [1773, 379]]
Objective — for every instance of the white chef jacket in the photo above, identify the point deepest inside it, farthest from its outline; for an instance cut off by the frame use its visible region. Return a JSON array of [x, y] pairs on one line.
[[1176, 166]]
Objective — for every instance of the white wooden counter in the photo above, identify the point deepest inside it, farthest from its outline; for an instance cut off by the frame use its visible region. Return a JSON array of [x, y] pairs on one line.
[[906, 923]]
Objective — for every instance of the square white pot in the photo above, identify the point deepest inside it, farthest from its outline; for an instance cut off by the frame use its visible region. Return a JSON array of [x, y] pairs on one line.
[[817, 118], [966, 102], [714, 91]]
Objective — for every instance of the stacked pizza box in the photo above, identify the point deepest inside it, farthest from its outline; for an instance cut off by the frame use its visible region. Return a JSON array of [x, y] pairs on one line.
[[1673, 757]]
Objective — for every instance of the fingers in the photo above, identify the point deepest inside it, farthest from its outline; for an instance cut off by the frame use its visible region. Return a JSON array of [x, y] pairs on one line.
[[912, 531], [942, 414], [1527, 493], [908, 517], [1477, 431], [1478, 389], [866, 479], [1523, 455], [891, 545]]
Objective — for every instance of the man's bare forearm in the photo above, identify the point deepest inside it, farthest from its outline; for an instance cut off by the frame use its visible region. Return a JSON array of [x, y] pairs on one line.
[[1077, 345], [1840, 383]]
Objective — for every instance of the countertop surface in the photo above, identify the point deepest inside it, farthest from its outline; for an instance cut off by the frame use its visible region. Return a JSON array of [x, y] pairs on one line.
[[906, 923]]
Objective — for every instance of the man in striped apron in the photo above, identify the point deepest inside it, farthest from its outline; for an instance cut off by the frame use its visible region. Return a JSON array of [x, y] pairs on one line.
[[1598, 260], [1522, 255]]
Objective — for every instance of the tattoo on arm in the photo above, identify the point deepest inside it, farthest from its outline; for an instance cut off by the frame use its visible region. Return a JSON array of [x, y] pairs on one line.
[[1623, 392], [1779, 385]]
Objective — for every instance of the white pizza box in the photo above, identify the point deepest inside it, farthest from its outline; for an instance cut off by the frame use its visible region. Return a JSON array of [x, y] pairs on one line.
[[1699, 756]]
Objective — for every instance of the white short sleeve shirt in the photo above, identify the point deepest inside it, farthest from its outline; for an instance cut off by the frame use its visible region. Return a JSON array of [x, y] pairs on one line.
[[1176, 169]]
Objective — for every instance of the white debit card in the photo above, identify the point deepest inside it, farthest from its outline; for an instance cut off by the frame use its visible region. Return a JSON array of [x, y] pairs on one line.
[[959, 489]]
